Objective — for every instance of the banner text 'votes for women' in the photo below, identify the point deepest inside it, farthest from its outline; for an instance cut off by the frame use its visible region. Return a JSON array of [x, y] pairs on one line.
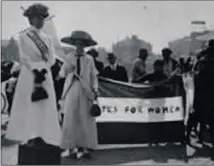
[[141, 113]]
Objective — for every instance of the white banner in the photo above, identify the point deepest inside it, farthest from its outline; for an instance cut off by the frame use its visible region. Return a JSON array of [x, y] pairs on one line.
[[140, 110]]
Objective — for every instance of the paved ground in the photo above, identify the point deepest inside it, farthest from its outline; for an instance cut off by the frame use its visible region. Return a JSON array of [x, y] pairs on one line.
[[144, 155], [161, 155]]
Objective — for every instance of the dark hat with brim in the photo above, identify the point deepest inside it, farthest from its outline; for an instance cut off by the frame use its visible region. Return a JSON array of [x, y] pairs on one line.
[[36, 10], [167, 51], [111, 55], [93, 53], [79, 36]]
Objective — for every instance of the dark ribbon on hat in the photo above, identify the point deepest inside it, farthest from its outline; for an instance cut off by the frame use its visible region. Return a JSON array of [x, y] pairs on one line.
[[39, 43]]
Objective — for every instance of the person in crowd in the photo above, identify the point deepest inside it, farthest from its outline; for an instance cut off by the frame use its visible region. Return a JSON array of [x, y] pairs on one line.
[[6, 67], [170, 64], [58, 83], [204, 89], [99, 65], [33, 120], [115, 71], [139, 67], [210, 69], [10, 90], [158, 75], [79, 132]]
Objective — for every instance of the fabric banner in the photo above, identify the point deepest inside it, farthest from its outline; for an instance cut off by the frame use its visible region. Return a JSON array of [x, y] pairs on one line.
[[141, 110], [133, 113]]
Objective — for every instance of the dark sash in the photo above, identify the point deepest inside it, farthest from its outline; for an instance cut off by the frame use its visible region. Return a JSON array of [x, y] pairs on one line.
[[39, 43]]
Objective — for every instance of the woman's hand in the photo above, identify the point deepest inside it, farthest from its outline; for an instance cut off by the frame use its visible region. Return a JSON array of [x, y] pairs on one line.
[[61, 104], [58, 77]]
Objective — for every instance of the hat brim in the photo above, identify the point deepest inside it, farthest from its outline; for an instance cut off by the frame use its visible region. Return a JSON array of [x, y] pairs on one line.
[[72, 41]]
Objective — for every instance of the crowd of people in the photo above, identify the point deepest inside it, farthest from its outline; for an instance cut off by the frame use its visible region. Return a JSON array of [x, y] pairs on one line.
[[162, 68], [34, 117]]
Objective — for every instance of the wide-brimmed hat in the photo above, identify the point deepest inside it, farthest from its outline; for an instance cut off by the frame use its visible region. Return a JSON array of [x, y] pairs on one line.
[[77, 36], [36, 10], [166, 51], [93, 52], [111, 55]]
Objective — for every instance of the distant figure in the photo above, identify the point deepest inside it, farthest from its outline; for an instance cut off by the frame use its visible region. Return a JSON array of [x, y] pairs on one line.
[[157, 75], [115, 71], [99, 65], [10, 90], [139, 68], [6, 67], [204, 90], [58, 84], [170, 64]]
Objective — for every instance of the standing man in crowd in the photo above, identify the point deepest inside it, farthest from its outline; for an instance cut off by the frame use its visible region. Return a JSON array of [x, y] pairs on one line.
[[115, 71], [139, 68], [204, 93], [170, 64], [58, 84], [158, 75], [99, 65]]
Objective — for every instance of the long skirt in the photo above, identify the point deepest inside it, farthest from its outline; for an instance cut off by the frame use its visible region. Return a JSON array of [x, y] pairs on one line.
[[79, 127], [34, 119]]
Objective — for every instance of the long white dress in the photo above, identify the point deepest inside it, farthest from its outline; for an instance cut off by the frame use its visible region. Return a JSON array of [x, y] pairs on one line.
[[79, 127], [34, 119]]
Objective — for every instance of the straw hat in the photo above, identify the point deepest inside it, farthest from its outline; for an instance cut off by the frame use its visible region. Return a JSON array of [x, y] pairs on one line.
[[79, 36]]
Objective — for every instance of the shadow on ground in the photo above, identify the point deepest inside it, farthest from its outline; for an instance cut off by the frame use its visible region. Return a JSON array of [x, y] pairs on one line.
[[120, 156], [168, 154], [205, 152]]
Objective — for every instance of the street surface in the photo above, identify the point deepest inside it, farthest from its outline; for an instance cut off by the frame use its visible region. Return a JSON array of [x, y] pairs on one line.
[[164, 154], [161, 155]]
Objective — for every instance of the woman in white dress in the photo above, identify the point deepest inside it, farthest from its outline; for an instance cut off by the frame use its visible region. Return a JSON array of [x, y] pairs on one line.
[[79, 127], [31, 120]]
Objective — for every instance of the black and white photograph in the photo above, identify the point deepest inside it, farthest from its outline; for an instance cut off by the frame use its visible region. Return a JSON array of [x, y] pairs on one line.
[[107, 83]]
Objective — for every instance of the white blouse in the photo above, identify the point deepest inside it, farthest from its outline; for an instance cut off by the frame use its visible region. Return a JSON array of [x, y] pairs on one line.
[[28, 51]]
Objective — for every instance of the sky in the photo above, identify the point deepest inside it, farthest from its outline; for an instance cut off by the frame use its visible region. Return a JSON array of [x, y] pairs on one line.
[[157, 22]]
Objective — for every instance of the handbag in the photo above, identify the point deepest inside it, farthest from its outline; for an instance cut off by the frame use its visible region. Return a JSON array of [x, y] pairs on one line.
[[95, 109], [39, 93]]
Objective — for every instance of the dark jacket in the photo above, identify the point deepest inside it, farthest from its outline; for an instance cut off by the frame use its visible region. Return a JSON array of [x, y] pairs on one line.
[[6, 67], [174, 66], [154, 77], [99, 66], [58, 84], [120, 74]]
